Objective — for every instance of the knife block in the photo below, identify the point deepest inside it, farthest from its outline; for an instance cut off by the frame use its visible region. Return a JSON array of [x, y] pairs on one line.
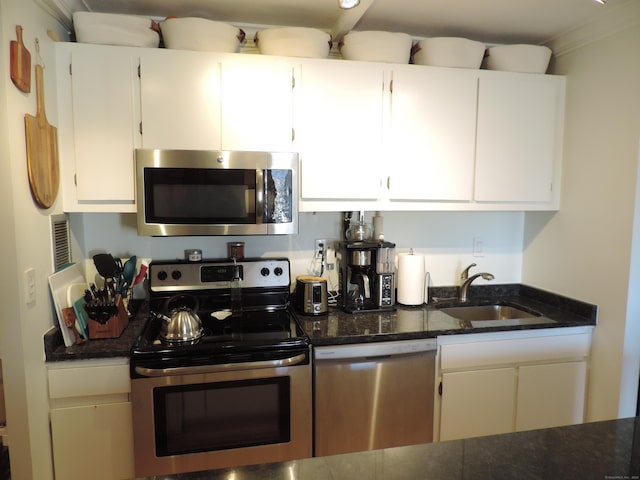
[[113, 327]]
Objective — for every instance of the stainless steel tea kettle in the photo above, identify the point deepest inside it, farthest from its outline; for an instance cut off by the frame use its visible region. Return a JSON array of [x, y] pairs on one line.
[[184, 324]]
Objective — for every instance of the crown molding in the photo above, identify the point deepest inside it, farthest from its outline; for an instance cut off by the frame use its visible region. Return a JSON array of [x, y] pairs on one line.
[[61, 10], [613, 21]]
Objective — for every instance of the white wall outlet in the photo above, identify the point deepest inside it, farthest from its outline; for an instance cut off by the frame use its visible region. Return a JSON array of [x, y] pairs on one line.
[[478, 247], [320, 248], [30, 286]]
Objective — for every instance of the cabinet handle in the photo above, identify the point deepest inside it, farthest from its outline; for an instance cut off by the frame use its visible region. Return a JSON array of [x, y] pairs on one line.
[[440, 389], [293, 134], [389, 182]]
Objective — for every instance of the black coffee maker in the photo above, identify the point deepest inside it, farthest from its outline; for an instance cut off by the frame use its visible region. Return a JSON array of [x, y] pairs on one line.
[[367, 280]]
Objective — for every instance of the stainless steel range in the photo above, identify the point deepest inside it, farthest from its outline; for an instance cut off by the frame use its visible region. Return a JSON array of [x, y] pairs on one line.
[[221, 374]]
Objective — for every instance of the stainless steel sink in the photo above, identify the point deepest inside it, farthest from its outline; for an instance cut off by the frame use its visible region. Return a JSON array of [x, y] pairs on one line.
[[488, 312]]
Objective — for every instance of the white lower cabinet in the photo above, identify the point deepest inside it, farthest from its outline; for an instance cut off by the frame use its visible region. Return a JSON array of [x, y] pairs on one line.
[[551, 395], [477, 403], [508, 384], [91, 423], [95, 439]]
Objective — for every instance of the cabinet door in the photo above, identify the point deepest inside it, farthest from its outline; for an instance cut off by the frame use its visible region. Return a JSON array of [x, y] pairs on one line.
[[431, 146], [517, 137], [257, 104], [180, 100], [551, 395], [477, 403], [105, 87], [93, 441], [339, 128]]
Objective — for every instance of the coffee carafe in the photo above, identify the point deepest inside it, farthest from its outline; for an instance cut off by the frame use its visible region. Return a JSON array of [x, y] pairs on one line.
[[367, 276]]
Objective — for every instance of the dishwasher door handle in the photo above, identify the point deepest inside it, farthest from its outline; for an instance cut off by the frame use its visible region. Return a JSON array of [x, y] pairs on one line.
[[374, 358], [375, 350]]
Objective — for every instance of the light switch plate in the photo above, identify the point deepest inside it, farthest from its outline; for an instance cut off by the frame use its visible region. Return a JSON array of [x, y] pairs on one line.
[[30, 286], [478, 247]]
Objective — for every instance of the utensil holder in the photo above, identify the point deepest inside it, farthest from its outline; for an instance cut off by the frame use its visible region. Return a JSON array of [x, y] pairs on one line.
[[113, 327]]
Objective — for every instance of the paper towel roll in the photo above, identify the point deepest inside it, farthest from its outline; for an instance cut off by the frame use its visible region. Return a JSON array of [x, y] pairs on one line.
[[411, 278]]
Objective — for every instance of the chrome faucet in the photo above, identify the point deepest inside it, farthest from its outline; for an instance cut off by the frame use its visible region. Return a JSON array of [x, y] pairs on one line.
[[466, 280]]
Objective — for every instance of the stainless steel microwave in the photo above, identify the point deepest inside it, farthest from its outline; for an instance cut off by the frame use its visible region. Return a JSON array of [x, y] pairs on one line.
[[195, 192]]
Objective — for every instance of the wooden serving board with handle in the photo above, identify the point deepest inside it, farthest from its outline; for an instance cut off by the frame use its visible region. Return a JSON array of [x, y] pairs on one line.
[[42, 151], [20, 64]]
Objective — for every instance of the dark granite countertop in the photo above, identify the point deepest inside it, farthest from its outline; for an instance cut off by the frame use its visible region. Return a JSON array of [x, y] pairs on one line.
[[101, 348], [428, 321], [404, 323], [591, 451]]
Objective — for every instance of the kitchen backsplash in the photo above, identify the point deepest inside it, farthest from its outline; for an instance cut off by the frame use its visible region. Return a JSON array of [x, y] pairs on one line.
[[446, 238]]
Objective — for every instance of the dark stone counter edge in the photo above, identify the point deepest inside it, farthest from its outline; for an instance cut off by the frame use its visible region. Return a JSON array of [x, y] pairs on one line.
[[598, 450], [565, 311]]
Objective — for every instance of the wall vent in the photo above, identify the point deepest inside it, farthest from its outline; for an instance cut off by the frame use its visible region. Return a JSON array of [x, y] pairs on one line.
[[61, 243]]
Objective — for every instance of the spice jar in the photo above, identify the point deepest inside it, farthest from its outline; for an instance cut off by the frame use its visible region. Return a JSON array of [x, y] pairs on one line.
[[235, 250], [193, 254]]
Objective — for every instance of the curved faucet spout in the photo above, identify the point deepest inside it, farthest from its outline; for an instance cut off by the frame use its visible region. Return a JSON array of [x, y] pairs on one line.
[[466, 281]]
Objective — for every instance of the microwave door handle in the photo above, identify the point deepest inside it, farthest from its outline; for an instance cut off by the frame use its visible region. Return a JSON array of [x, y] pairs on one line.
[[260, 196], [227, 367]]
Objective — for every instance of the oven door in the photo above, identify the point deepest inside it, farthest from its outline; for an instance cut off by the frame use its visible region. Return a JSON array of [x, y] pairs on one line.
[[201, 421]]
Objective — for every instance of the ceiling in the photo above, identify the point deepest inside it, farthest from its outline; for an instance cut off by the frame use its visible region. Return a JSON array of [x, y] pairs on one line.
[[490, 21]]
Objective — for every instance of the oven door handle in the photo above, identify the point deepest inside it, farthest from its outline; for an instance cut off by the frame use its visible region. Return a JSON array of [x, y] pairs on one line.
[[227, 367]]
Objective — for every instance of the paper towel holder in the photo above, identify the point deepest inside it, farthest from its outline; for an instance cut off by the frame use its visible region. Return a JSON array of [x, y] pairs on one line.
[[413, 280]]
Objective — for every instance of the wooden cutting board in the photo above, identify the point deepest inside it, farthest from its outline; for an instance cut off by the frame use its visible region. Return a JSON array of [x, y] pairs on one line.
[[20, 64], [42, 151]]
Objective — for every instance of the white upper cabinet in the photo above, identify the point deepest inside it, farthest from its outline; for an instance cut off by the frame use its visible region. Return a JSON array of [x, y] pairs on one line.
[[180, 100], [339, 130], [431, 143], [257, 104], [202, 101], [370, 136], [520, 125], [98, 123]]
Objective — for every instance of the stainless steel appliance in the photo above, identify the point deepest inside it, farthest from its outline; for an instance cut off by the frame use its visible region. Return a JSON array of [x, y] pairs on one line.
[[238, 394], [367, 278], [311, 295], [189, 192], [374, 395]]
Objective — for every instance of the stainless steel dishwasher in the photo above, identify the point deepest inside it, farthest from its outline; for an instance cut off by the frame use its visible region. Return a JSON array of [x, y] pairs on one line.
[[373, 395]]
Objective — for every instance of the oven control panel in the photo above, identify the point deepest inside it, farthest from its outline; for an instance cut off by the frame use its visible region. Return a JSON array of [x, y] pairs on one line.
[[166, 276]]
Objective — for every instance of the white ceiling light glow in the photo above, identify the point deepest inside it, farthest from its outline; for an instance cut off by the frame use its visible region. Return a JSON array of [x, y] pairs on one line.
[[346, 4]]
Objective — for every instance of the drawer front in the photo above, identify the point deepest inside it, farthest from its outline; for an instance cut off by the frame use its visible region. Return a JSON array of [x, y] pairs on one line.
[[90, 380], [474, 355]]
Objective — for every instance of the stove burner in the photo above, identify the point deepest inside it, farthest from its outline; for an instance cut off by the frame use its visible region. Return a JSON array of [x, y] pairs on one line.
[[262, 328]]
